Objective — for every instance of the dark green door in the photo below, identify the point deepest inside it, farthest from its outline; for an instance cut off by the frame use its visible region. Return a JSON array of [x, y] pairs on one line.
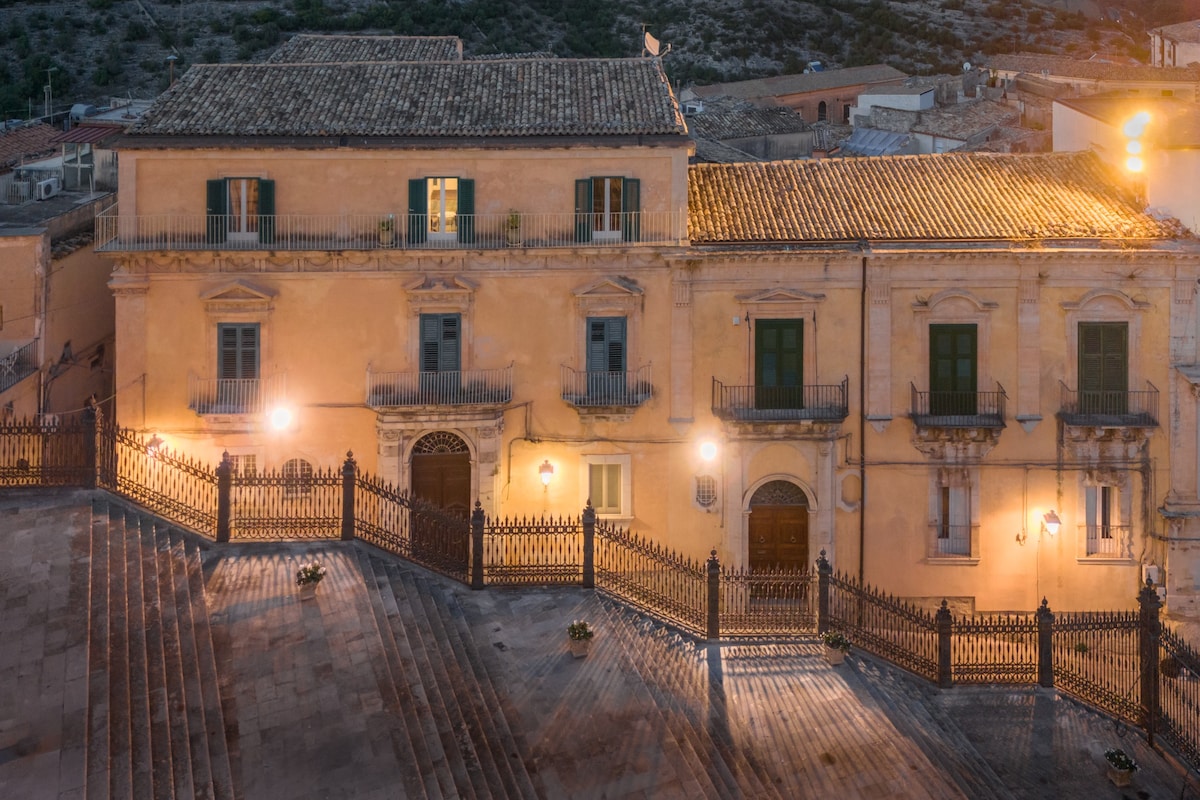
[[952, 370], [779, 363], [1103, 367]]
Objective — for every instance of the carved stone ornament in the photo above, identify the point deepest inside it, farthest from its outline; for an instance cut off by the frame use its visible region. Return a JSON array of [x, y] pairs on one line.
[[779, 493]]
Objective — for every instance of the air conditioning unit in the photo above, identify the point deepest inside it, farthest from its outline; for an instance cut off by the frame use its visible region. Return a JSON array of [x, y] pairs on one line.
[[46, 189]]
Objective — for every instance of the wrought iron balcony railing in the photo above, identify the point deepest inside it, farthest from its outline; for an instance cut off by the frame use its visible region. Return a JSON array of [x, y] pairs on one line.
[[781, 403], [958, 409], [235, 395], [18, 365], [627, 388], [1113, 541], [456, 388], [953, 540], [1110, 409], [121, 233]]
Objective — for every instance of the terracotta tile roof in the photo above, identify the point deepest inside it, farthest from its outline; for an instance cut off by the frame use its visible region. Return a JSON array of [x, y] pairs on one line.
[[26, 142], [307, 48], [742, 124], [714, 152], [964, 120], [969, 196], [1181, 31], [1091, 70], [801, 83], [547, 97]]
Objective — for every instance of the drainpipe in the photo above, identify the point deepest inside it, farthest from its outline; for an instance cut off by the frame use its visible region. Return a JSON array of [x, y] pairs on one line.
[[862, 423]]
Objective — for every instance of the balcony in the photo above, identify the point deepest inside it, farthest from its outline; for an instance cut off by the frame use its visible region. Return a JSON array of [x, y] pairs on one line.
[[952, 541], [235, 395], [602, 390], [824, 403], [475, 387], [958, 409], [1108, 541], [18, 365], [116, 233], [1109, 409]]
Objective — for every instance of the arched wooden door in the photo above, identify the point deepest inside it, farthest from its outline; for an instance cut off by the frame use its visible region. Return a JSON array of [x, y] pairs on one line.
[[441, 476], [778, 527]]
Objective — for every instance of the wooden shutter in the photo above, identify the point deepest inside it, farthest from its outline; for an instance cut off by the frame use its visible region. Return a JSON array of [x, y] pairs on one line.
[[779, 363], [216, 211], [440, 342], [418, 211], [606, 344], [237, 349], [1103, 366], [583, 210], [466, 210], [631, 199], [266, 211]]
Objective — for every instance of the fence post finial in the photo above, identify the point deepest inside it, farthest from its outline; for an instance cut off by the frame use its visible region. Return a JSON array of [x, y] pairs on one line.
[[589, 546], [1045, 625], [224, 499], [714, 597], [477, 520], [945, 625]]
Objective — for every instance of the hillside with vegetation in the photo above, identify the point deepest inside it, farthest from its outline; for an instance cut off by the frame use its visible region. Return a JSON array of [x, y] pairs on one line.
[[91, 50]]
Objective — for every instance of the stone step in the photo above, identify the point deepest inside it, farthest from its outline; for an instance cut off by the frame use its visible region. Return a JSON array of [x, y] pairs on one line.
[[415, 740], [72, 768], [209, 680], [157, 700], [715, 763], [96, 784], [137, 680], [178, 734], [469, 780], [500, 752]]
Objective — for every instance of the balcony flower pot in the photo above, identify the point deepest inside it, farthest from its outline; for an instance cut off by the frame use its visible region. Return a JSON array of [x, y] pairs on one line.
[[387, 231], [308, 577], [1120, 767], [579, 638], [836, 647], [512, 229]]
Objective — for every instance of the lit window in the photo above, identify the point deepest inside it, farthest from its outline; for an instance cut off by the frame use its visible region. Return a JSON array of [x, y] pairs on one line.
[[608, 485]]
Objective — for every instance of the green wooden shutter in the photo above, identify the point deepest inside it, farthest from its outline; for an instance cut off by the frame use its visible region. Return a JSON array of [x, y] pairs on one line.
[[266, 211], [779, 363], [238, 349], [1103, 367], [583, 210], [952, 369], [606, 344], [631, 220], [466, 211], [418, 211], [216, 211], [440, 342]]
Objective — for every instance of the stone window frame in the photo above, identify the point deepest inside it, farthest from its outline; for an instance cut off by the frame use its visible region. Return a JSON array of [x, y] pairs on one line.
[[625, 460], [956, 307], [1105, 305], [441, 295], [962, 477]]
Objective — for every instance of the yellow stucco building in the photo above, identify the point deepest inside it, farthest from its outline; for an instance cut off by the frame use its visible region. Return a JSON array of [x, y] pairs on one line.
[[500, 280]]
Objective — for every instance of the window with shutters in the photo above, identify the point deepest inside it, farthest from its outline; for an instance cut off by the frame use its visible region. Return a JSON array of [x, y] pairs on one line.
[[778, 363], [237, 367], [953, 369], [606, 209], [608, 485], [954, 523], [241, 210], [1103, 367], [606, 366], [441, 210], [1102, 519], [440, 342]]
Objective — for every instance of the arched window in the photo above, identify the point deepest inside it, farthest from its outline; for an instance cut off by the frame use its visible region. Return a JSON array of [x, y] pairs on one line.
[[822, 111], [297, 478]]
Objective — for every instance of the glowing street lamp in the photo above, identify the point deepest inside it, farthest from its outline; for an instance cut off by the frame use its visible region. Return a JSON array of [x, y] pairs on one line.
[[546, 473], [708, 450], [280, 418]]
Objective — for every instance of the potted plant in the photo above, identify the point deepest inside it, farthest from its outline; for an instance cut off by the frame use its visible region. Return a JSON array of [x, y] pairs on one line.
[[1120, 766], [387, 227], [512, 229], [307, 578], [579, 638], [836, 646]]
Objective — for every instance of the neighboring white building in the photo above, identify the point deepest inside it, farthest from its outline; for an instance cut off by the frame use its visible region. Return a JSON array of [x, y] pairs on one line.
[[904, 98], [1175, 45]]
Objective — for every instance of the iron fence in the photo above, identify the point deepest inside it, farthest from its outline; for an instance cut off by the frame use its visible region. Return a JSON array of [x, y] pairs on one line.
[[18, 365], [1124, 663]]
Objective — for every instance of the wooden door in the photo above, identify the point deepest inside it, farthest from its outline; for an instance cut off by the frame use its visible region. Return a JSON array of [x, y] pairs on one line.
[[443, 480], [778, 537]]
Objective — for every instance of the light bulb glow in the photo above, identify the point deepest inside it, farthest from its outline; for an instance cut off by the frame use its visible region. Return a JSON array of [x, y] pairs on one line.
[[708, 451], [1133, 147], [1134, 164], [280, 418]]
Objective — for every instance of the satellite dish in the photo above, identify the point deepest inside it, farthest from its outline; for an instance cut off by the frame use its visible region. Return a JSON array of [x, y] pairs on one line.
[[966, 66]]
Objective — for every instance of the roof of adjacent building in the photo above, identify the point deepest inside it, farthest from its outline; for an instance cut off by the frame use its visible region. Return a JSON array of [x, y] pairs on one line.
[[1181, 31], [1174, 123], [1091, 70], [801, 83], [746, 123], [504, 97], [964, 120], [876, 142], [950, 197], [308, 48], [716, 152], [27, 141]]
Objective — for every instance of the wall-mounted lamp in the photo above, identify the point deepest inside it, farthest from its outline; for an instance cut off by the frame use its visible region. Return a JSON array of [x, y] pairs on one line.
[[546, 471], [1051, 522], [708, 450], [280, 418], [153, 446]]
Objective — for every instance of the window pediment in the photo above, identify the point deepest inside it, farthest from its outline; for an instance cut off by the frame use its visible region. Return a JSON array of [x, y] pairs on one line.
[[618, 293], [1106, 297], [453, 293], [779, 296], [958, 297], [238, 296]]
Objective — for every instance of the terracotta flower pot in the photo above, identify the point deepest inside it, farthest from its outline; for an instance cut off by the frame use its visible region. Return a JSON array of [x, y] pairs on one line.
[[834, 655], [579, 647]]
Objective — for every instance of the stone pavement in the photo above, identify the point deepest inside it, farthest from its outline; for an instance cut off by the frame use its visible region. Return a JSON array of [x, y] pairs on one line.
[[395, 683]]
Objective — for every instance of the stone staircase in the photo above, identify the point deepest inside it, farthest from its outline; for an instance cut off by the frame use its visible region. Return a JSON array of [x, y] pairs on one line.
[[155, 726]]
